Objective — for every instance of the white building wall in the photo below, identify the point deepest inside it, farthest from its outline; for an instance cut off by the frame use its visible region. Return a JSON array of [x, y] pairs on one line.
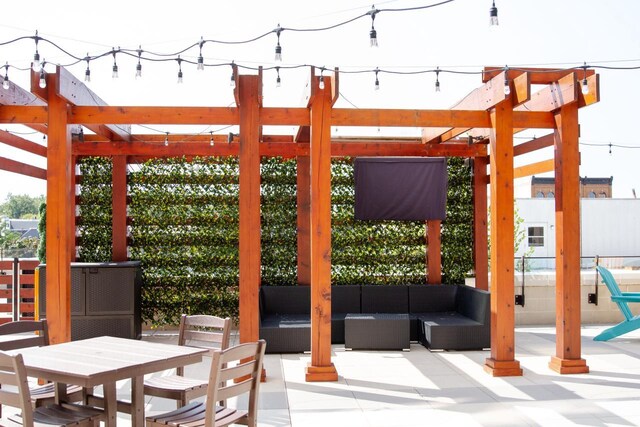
[[610, 227]]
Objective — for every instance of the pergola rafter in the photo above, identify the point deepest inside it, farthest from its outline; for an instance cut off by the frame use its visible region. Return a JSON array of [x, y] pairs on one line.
[[486, 111]]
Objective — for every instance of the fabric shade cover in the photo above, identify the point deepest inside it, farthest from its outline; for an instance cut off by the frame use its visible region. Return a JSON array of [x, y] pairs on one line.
[[400, 188]]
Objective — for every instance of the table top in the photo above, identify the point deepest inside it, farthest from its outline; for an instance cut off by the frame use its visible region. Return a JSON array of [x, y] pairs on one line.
[[99, 360]]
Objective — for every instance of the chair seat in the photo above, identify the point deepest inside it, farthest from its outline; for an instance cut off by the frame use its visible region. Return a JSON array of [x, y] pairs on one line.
[[174, 384], [59, 415], [47, 391], [193, 415]]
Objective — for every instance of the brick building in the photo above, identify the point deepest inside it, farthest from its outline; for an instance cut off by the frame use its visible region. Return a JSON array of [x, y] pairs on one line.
[[589, 187]]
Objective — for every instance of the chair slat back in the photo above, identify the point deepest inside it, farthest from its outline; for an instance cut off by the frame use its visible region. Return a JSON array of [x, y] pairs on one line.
[[234, 372], [29, 333], [614, 289], [204, 328], [14, 373]]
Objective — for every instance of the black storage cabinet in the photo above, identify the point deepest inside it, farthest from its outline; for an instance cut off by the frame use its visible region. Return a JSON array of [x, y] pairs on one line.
[[105, 299]]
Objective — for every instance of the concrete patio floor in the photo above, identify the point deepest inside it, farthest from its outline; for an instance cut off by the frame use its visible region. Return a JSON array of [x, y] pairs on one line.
[[419, 388], [423, 388]]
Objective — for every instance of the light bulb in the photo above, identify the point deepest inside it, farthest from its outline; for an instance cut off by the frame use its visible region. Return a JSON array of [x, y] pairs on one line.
[[166, 140], [5, 82], [114, 73], [200, 63], [180, 76], [585, 87], [437, 85], [179, 69], [138, 70], [35, 65], [278, 57], [43, 80], [87, 75], [493, 14], [437, 79], [278, 82], [507, 87], [232, 82], [211, 143], [321, 83], [377, 83], [373, 38]]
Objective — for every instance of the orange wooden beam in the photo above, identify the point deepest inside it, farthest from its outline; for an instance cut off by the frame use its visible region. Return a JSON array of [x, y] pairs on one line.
[[119, 209], [534, 145], [534, 168], [410, 118], [303, 187], [537, 75], [20, 143], [554, 95], [502, 361], [568, 358], [59, 210], [21, 114], [480, 231], [249, 215], [321, 368], [22, 168], [434, 252], [154, 115]]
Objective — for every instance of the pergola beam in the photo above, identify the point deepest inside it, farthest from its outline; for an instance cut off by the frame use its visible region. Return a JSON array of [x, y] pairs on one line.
[[20, 143], [534, 145], [533, 168], [22, 168], [538, 75]]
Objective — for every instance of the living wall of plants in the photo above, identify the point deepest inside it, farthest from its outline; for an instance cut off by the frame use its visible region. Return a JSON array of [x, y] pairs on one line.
[[184, 229]]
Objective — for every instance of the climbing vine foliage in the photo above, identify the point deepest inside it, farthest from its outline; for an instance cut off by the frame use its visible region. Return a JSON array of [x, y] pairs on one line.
[[183, 226]]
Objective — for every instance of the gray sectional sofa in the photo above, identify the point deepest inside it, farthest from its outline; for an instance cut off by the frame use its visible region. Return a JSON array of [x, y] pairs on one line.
[[449, 317]]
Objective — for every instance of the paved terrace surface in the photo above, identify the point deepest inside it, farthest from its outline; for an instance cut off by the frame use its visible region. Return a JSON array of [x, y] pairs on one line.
[[423, 388]]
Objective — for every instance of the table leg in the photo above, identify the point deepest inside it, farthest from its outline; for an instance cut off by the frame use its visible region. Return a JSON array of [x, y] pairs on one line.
[[110, 403], [60, 391], [137, 401]]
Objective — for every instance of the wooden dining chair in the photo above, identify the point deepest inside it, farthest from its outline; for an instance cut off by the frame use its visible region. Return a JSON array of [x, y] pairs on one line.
[[13, 373], [202, 331], [234, 372], [34, 333]]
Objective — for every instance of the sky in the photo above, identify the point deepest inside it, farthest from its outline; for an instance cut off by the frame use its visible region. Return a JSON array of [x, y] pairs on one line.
[[455, 36]]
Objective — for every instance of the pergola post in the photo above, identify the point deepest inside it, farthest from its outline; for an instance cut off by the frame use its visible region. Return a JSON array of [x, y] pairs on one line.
[[434, 252], [119, 208], [567, 198], [480, 232], [502, 361], [303, 189], [59, 235], [321, 368], [72, 200], [249, 234]]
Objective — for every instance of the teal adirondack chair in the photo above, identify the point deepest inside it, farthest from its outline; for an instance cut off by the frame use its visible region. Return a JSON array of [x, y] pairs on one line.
[[630, 321]]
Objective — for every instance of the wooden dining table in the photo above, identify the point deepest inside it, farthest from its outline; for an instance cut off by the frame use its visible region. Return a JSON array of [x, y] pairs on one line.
[[103, 361]]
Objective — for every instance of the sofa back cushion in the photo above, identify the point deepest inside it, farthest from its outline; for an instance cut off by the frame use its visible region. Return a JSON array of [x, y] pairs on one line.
[[385, 299], [432, 298], [345, 299], [285, 300], [474, 303]]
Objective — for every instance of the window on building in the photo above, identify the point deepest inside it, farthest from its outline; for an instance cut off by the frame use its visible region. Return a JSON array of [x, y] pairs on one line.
[[602, 194], [539, 194], [592, 194], [550, 195], [535, 236]]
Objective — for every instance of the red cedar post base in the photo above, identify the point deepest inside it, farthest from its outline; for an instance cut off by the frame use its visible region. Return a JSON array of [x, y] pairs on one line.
[[506, 368], [568, 366], [321, 373]]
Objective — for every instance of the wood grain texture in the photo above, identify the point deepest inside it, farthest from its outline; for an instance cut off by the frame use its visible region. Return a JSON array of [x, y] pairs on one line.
[[119, 209], [480, 230], [434, 252]]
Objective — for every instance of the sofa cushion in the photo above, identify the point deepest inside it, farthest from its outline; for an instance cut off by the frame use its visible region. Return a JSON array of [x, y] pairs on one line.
[[286, 321], [432, 298], [345, 299], [285, 300], [474, 303], [385, 299]]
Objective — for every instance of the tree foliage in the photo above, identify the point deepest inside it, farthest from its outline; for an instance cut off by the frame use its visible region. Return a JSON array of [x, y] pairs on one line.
[[21, 206]]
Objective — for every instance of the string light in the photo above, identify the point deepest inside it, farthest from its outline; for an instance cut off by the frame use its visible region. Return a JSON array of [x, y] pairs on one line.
[[278, 81], [200, 57], [610, 145], [232, 83], [437, 79], [35, 65], [5, 82], [114, 72], [179, 69], [166, 139], [42, 82], [585, 84], [139, 64], [278, 56], [507, 86], [87, 72], [373, 34], [211, 143], [321, 82], [377, 83], [493, 14]]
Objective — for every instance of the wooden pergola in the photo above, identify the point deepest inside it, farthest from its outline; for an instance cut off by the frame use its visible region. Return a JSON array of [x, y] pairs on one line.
[[490, 117]]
